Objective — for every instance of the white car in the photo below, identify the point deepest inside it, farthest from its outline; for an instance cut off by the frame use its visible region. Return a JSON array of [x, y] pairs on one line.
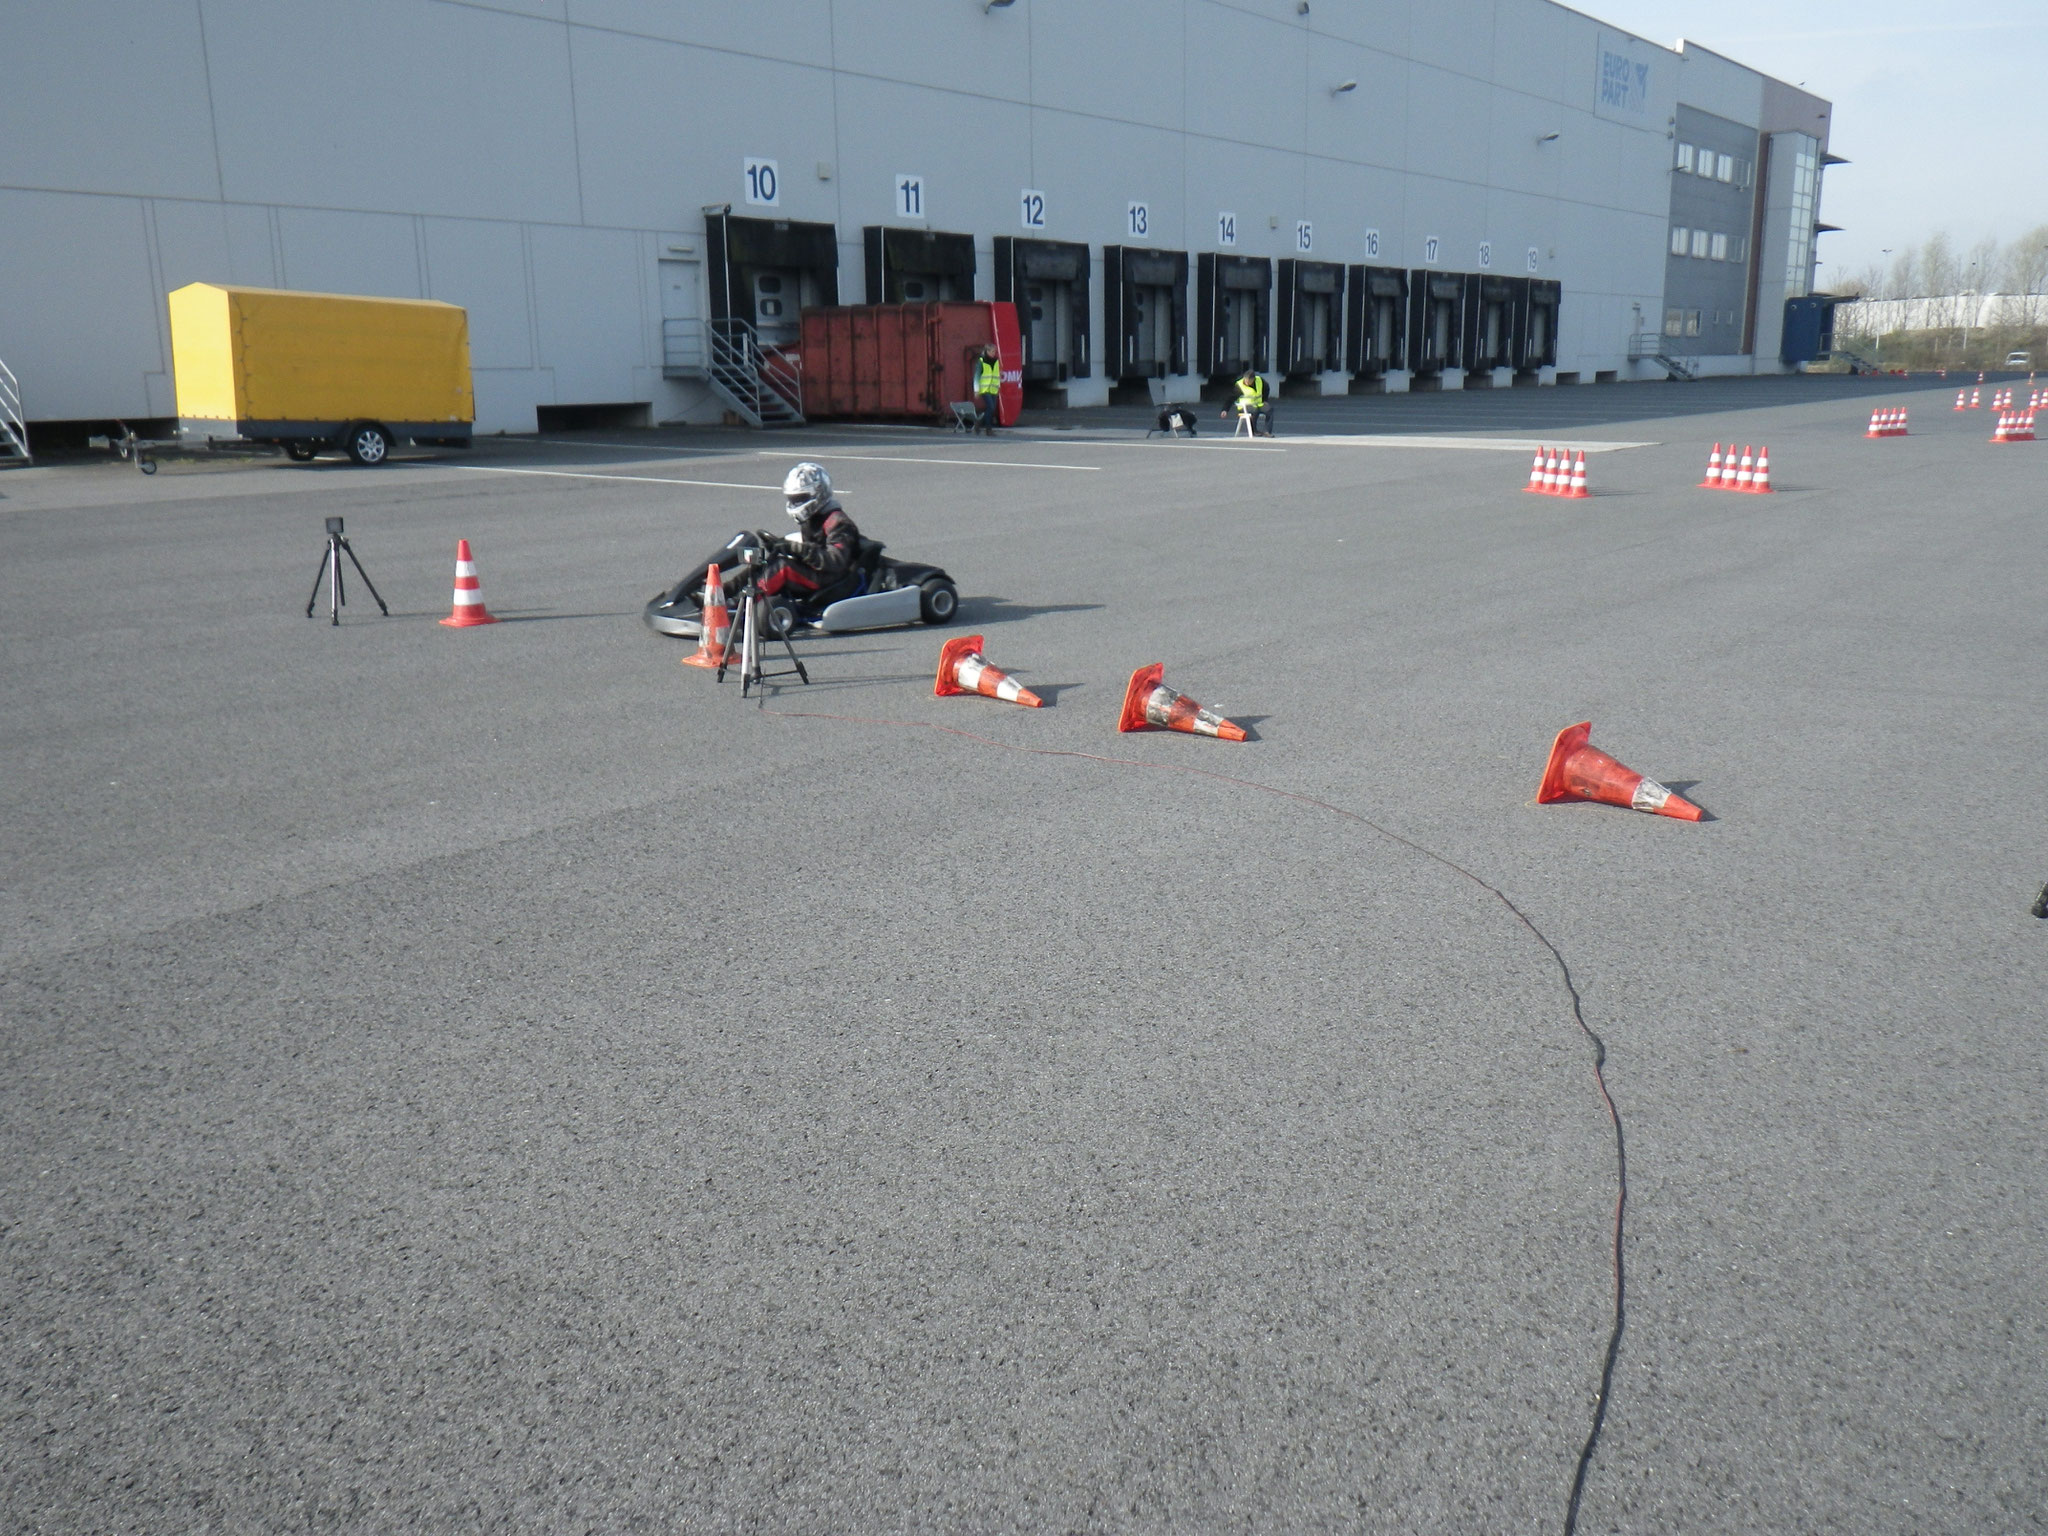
[[2019, 359]]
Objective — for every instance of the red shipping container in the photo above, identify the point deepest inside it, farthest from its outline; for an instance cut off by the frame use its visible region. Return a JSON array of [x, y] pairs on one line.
[[907, 360]]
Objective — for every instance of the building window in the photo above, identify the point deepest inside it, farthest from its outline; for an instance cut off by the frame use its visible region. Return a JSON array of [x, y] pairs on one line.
[[1681, 240], [1699, 243], [1674, 322], [1740, 249], [1706, 166], [1692, 322], [1805, 205], [1724, 169], [1720, 248], [1685, 157]]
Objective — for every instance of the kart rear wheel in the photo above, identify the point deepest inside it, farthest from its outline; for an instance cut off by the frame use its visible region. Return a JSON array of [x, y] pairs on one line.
[[778, 618], [940, 600]]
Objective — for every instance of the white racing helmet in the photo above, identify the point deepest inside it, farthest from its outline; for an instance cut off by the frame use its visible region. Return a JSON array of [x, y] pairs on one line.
[[806, 488]]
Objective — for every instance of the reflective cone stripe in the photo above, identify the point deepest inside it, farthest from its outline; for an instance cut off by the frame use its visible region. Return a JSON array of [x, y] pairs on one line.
[[717, 624], [1743, 473], [1578, 770], [1536, 474], [963, 669], [1760, 482], [1577, 489], [1713, 480], [1148, 701], [469, 592], [1900, 429]]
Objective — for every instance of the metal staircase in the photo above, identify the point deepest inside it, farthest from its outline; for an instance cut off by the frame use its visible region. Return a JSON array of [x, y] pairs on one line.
[[760, 385], [1661, 350], [13, 431]]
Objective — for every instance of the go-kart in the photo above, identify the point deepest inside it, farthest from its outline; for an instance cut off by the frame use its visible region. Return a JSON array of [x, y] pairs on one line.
[[876, 594]]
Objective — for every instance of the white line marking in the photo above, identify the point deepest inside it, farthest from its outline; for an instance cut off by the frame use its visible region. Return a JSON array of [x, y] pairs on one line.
[[898, 458], [567, 474], [1475, 444], [711, 453]]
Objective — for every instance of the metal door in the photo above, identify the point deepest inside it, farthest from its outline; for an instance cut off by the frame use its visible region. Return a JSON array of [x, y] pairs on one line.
[[1318, 344], [679, 290], [1151, 329], [1240, 328], [778, 303], [1385, 321], [1048, 331], [1539, 332]]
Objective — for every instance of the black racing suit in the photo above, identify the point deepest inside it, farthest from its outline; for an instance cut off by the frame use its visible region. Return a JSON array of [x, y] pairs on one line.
[[831, 546]]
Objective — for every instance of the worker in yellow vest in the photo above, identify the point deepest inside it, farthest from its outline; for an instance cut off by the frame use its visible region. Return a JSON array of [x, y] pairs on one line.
[[1251, 401], [988, 389]]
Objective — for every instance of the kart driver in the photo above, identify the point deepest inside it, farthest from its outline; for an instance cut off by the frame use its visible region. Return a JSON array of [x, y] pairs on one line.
[[825, 543]]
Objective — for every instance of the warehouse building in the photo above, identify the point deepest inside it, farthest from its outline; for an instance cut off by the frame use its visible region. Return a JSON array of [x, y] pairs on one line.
[[1353, 196]]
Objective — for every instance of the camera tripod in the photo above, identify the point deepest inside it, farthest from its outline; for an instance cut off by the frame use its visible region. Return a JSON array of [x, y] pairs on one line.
[[750, 601], [330, 573]]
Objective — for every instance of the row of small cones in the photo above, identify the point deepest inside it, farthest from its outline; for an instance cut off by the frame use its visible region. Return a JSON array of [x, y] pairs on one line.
[[1555, 474], [1887, 421], [1749, 474], [2014, 427]]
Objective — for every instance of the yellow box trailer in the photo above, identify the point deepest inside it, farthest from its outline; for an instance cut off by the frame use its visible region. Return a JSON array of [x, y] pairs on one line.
[[308, 371]]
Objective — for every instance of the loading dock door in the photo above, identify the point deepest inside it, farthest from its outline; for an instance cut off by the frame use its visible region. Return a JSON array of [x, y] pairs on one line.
[[767, 271], [1435, 320], [917, 266], [1376, 317], [1145, 311], [1233, 308], [1491, 316], [1048, 282], [1538, 338], [1311, 316]]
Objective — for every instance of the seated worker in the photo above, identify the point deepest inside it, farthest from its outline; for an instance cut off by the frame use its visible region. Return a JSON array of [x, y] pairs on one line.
[[1251, 401], [825, 544]]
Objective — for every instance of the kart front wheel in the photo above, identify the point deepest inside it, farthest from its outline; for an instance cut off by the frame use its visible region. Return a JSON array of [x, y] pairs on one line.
[[940, 600]]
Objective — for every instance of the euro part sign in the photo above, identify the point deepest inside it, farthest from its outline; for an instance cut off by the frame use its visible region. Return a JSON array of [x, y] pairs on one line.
[[1009, 358]]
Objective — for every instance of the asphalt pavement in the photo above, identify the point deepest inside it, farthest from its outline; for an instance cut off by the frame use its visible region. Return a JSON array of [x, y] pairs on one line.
[[499, 1079]]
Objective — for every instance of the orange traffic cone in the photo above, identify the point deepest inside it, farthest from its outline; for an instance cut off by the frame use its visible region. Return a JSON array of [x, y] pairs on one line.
[[963, 669], [1999, 433], [1899, 422], [1713, 480], [717, 625], [1976, 398], [469, 592], [1148, 701], [1550, 471], [1536, 474], [1578, 770], [1961, 395], [1743, 471], [1760, 482], [1576, 487]]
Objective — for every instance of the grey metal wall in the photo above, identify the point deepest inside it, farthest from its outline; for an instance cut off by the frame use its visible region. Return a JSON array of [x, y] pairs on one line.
[[1706, 285], [544, 162]]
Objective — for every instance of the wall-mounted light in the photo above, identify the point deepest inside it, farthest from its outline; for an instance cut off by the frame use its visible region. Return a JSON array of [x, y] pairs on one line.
[[1348, 85], [1549, 138], [992, 4]]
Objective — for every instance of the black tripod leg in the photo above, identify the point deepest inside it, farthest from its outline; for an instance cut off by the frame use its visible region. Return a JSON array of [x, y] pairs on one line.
[[795, 662], [337, 595], [319, 580], [352, 560]]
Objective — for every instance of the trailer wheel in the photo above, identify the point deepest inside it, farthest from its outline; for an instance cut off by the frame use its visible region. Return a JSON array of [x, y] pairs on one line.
[[368, 443], [299, 453]]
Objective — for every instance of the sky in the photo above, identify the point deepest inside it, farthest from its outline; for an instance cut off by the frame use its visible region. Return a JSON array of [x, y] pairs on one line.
[[1938, 106]]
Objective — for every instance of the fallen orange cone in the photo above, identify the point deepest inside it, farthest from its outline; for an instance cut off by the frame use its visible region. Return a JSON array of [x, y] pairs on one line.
[[1578, 770], [1148, 701], [717, 625], [469, 592], [963, 669]]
